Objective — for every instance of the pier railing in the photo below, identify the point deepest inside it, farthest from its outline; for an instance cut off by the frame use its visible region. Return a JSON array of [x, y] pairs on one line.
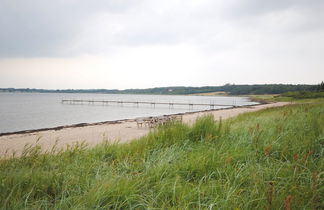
[[137, 103]]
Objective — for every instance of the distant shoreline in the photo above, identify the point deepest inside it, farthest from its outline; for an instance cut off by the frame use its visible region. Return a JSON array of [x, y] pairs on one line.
[[91, 134], [228, 89], [115, 121]]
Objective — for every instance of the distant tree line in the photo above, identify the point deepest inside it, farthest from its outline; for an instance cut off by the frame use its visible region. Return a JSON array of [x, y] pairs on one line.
[[34, 90], [230, 89], [320, 87], [316, 92]]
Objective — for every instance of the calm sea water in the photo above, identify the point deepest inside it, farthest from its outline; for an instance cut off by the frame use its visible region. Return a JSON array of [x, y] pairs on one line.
[[24, 111]]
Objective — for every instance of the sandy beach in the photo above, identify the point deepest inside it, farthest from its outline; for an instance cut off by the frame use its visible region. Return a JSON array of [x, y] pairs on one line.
[[92, 134]]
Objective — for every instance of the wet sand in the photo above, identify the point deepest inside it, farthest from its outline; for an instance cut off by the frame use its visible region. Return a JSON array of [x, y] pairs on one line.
[[92, 134]]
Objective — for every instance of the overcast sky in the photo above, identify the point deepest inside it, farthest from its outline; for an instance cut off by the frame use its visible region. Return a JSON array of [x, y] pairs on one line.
[[148, 43]]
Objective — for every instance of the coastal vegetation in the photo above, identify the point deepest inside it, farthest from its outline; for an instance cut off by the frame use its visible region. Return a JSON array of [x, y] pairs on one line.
[[304, 94], [270, 159], [229, 89], [318, 92], [296, 97]]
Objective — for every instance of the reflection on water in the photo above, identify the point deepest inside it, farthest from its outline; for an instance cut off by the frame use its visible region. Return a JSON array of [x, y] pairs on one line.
[[23, 111]]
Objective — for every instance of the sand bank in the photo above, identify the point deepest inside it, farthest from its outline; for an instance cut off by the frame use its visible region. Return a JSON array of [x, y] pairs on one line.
[[93, 134]]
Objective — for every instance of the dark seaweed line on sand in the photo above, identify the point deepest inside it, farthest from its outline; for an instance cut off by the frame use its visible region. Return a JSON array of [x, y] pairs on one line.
[[112, 122]]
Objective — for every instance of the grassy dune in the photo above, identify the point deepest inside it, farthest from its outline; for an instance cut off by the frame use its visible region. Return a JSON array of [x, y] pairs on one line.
[[271, 159]]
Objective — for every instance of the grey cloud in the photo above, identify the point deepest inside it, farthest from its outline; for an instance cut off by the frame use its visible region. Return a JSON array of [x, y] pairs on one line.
[[43, 28], [245, 12], [256, 7], [243, 8], [207, 26], [55, 28]]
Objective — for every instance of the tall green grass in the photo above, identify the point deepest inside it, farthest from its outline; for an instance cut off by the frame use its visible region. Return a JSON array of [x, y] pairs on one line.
[[271, 159]]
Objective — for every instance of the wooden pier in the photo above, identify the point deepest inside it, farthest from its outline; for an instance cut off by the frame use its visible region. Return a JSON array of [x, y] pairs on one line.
[[137, 103]]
